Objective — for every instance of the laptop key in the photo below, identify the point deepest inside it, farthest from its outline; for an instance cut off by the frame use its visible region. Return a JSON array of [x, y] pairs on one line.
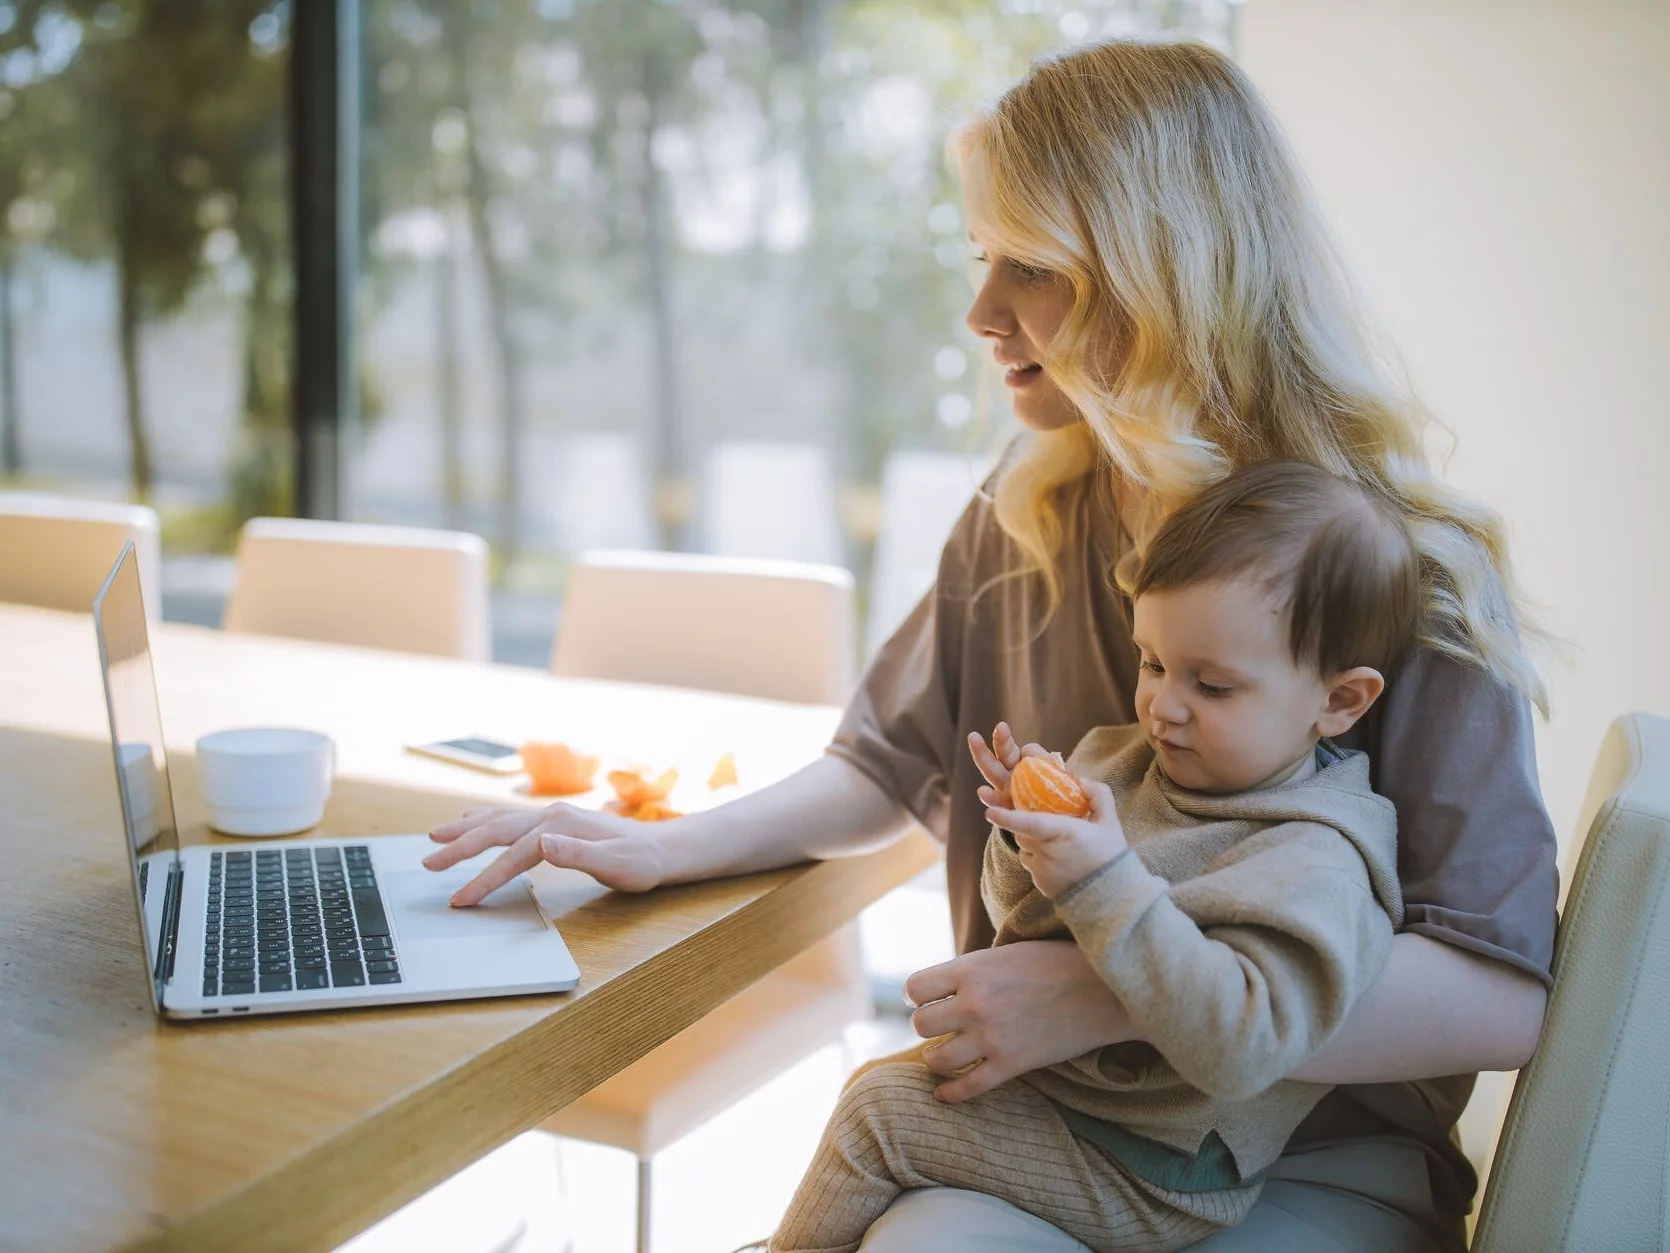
[[380, 966], [385, 976], [347, 975], [230, 987], [306, 980], [210, 988], [275, 983]]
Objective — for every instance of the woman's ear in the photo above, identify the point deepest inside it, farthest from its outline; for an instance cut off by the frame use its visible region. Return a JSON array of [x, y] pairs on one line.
[[1350, 693]]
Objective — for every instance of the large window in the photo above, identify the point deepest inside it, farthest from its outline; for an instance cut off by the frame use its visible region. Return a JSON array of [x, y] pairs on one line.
[[145, 270], [681, 273]]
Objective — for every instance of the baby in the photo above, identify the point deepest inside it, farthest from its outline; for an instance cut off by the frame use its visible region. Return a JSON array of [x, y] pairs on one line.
[[1234, 883]]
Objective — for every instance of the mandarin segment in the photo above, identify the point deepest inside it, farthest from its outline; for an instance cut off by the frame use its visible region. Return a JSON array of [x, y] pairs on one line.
[[1042, 785]]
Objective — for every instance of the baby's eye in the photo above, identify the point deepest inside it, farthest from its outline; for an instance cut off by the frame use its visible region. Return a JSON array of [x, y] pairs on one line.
[[1153, 667], [1213, 690]]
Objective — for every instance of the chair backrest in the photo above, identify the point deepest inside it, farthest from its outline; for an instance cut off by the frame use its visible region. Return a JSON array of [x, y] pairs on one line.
[[396, 587], [777, 629], [774, 500], [1583, 1161], [55, 551], [922, 495]]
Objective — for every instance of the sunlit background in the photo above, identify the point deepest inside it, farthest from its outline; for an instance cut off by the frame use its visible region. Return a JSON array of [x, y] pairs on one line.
[[622, 274]]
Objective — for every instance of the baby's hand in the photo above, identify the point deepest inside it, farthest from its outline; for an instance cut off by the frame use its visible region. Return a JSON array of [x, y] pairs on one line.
[[998, 762], [1059, 851]]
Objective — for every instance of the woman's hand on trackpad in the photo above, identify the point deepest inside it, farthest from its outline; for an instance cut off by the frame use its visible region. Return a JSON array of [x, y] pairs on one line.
[[619, 853]]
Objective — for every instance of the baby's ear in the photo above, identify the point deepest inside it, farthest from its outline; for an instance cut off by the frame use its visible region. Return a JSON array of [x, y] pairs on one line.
[[1350, 693]]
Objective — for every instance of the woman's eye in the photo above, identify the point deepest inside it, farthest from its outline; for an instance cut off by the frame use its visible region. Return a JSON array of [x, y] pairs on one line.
[[1029, 273]]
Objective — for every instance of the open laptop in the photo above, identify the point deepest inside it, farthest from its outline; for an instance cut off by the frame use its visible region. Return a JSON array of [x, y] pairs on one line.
[[273, 926]]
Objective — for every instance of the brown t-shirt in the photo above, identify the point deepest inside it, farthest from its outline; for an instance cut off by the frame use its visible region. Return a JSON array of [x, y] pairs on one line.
[[1449, 746]]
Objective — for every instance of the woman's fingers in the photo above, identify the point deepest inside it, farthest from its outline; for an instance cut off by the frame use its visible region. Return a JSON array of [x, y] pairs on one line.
[[488, 832], [471, 818], [948, 1055], [520, 856], [978, 1079], [934, 983]]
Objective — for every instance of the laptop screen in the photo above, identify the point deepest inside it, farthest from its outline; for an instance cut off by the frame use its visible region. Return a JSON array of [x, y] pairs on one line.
[[130, 693]]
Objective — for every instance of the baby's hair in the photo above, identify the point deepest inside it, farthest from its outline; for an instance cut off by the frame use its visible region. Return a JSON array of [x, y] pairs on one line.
[[1339, 560]]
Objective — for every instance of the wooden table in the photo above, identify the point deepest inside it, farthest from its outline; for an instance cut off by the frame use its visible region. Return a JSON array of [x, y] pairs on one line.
[[118, 1131]]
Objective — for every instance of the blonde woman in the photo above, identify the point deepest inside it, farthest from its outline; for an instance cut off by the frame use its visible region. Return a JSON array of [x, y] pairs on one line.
[[1167, 309]]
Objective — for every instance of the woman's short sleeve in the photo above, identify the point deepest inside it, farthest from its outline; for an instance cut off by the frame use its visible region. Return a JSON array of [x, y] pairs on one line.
[[1453, 750], [901, 726]]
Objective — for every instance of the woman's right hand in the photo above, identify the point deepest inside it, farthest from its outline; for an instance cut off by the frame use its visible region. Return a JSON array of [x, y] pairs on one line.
[[620, 853]]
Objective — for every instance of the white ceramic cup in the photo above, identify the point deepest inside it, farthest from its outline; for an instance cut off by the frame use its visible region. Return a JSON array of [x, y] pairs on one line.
[[265, 780]]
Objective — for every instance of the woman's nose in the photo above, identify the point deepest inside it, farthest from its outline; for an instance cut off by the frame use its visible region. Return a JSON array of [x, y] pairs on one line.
[[990, 316]]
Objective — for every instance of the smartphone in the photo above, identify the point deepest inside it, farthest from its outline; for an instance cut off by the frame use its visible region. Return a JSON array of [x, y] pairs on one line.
[[475, 751]]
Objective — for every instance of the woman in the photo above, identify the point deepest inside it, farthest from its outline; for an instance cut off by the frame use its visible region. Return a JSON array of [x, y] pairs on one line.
[[1167, 309]]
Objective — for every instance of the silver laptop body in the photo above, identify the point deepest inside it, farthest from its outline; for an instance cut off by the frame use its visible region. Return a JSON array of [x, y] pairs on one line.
[[274, 926]]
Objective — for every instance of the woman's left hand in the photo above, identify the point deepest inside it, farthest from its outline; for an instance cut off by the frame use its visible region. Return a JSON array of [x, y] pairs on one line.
[[1011, 1009]]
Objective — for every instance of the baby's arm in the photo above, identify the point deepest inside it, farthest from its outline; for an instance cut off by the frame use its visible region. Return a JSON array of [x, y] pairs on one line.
[[1241, 974]]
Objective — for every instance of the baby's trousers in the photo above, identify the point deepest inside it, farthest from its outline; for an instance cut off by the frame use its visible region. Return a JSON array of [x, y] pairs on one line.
[[888, 1133]]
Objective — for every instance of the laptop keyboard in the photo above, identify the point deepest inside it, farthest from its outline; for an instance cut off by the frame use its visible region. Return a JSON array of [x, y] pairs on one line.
[[295, 919]]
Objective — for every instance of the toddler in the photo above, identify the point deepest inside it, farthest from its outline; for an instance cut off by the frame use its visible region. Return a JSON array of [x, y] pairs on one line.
[[1234, 883]]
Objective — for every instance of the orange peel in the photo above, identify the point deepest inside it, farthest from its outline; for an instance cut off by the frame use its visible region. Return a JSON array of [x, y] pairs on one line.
[[724, 773]]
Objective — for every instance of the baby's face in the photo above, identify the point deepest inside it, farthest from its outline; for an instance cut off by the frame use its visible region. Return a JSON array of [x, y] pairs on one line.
[[1219, 695]]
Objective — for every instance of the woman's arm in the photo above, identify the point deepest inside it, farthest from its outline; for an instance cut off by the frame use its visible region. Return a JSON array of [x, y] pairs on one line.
[[828, 808], [1434, 1010]]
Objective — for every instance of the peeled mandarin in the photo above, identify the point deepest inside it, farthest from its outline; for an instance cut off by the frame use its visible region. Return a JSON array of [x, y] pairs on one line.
[[556, 769], [1043, 785]]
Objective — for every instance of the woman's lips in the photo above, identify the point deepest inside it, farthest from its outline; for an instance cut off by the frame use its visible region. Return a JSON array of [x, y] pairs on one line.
[[1019, 376]]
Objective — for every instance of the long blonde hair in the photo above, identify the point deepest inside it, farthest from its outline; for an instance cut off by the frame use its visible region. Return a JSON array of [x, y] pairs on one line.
[[1153, 179]]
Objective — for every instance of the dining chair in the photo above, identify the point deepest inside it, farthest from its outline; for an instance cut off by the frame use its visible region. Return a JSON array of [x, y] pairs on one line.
[[1583, 1159], [772, 499], [395, 587], [55, 551], [770, 629]]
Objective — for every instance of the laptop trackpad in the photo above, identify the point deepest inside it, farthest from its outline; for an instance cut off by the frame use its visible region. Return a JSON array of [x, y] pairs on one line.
[[418, 901]]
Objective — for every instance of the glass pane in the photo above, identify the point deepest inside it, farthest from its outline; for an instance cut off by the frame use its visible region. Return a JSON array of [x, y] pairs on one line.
[[144, 260], [683, 274]]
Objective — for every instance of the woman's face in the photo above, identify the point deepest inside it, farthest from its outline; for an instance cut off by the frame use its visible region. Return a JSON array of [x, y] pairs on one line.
[[1019, 309]]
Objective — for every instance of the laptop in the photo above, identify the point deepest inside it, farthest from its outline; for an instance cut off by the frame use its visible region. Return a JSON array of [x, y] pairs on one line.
[[280, 926]]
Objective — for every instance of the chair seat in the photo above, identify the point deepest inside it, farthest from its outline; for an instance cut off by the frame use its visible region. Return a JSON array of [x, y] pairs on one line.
[[713, 1063]]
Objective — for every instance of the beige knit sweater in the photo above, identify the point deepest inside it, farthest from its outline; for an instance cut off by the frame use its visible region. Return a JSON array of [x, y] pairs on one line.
[[1237, 932]]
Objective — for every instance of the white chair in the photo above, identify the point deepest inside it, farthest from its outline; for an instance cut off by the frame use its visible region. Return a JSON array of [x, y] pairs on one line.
[[1583, 1161], [394, 587], [922, 495], [774, 500], [55, 551], [777, 629], [600, 494], [766, 629]]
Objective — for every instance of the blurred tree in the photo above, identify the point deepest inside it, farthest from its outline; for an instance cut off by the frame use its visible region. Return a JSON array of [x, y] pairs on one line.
[[23, 209]]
